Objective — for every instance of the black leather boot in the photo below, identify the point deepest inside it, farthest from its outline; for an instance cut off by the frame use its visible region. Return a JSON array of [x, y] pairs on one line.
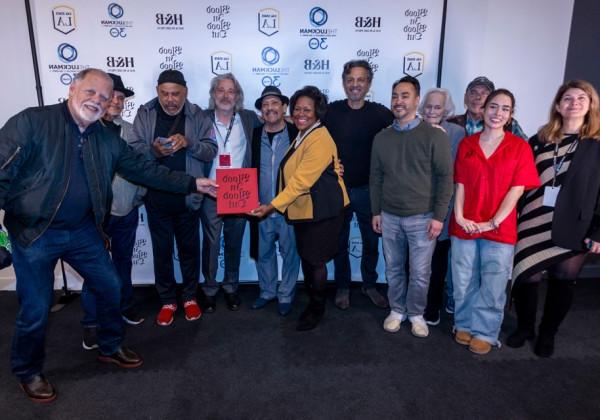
[[312, 315], [525, 296], [557, 305]]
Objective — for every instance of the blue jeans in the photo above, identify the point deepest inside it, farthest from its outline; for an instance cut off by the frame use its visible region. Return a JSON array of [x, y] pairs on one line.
[[122, 232], [360, 203], [270, 230], [83, 249], [399, 233], [480, 271]]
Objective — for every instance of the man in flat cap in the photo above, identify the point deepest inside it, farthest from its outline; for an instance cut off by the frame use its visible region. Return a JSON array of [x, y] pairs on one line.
[[477, 92], [120, 226], [270, 142], [57, 163], [175, 134]]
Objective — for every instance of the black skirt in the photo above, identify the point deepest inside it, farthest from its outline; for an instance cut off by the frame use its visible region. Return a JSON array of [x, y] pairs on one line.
[[317, 242]]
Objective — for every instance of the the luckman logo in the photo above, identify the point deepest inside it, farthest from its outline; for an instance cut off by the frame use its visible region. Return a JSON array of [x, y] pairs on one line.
[[268, 21], [220, 62], [270, 56], [66, 52], [414, 63], [63, 19]]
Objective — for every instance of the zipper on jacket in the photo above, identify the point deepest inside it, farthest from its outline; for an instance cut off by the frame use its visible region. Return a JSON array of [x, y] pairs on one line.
[[11, 158]]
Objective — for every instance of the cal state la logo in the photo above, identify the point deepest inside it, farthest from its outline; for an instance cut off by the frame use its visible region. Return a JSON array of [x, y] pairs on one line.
[[63, 19], [268, 21], [220, 62], [414, 63]]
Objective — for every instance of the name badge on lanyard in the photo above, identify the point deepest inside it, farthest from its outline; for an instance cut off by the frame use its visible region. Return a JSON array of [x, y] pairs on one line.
[[225, 159], [550, 196], [224, 155]]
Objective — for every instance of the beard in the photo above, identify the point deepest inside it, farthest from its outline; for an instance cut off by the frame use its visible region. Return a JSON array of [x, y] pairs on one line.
[[87, 115]]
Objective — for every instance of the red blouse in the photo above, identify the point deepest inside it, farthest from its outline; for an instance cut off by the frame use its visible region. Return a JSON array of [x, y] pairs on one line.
[[487, 181]]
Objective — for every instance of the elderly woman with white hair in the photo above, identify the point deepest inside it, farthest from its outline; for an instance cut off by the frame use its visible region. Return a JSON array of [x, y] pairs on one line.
[[436, 106]]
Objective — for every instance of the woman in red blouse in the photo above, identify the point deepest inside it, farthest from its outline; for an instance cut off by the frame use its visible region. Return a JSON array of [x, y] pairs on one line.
[[492, 170]]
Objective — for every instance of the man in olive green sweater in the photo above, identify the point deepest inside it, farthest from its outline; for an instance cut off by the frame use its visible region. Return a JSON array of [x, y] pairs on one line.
[[410, 186]]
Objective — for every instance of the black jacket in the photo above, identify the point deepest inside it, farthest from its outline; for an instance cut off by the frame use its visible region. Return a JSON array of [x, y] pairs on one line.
[[34, 170], [256, 139], [577, 210]]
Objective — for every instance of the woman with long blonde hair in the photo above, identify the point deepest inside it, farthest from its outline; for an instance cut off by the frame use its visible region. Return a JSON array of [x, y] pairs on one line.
[[559, 222]]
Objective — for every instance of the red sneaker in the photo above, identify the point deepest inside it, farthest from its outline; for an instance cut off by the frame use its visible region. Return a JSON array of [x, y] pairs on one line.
[[165, 316], [192, 310]]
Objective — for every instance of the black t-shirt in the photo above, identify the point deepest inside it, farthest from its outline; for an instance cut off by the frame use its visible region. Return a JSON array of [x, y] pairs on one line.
[[353, 131], [166, 126]]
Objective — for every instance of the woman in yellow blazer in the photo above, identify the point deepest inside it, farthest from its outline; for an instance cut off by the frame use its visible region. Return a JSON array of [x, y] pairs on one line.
[[312, 196]]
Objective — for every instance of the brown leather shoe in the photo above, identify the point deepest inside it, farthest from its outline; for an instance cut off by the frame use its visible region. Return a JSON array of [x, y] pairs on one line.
[[124, 358], [478, 346], [463, 337], [39, 390]]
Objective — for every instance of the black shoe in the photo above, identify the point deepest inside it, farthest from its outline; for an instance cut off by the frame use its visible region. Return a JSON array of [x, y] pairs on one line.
[[90, 341], [209, 304], [376, 298], [310, 318], [131, 317], [124, 358], [233, 301], [432, 318], [39, 390], [519, 337], [544, 346]]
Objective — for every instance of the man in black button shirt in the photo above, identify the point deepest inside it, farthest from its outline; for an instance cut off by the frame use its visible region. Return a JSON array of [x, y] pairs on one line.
[[353, 124], [177, 135]]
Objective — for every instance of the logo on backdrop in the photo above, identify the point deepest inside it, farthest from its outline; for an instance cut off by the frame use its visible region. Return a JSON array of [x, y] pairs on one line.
[[120, 64], [316, 66], [128, 108], [415, 28], [355, 247], [270, 75], [220, 62], [268, 21], [171, 57], [218, 25], [63, 19], [369, 54], [413, 64], [66, 68], [117, 27], [318, 35], [140, 252], [367, 24], [169, 21]]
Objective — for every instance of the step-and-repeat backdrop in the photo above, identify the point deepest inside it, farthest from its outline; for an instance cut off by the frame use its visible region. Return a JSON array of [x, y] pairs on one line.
[[280, 42]]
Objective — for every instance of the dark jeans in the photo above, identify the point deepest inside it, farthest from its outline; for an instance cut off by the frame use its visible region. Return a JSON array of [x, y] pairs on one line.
[[83, 249], [122, 240], [437, 282], [184, 227], [360, 203]]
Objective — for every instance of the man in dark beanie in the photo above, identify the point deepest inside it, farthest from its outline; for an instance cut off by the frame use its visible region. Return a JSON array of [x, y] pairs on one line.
[[176, 134]]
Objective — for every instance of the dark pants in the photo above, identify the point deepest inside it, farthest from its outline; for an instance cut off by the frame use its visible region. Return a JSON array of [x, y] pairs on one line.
[[233, 233], [121, 230], [437, 282], [184, 227], [360, 203], [83, 249]]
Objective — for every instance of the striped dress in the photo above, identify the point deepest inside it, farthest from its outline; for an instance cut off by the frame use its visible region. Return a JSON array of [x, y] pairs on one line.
[[535, 250]]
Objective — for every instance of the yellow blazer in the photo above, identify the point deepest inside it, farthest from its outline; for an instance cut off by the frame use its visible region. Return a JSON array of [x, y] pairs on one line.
[[308, 183]]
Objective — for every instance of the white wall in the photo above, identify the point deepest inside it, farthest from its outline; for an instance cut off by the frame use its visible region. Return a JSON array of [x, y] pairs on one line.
[[519, 44]]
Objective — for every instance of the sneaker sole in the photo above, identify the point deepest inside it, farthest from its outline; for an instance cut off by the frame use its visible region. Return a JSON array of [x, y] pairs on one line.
[[433, 323], [419, 335], [164, 324], [132, 322], [105, 359], [193, 318], [92, 347]]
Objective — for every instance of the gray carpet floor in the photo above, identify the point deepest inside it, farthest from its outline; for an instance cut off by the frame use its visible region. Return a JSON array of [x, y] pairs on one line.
[[252, 364]]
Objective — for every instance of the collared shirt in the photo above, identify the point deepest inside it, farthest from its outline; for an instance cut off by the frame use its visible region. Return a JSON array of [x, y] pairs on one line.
[[235, 147], [472, 126], [409, 126], [487, 181]]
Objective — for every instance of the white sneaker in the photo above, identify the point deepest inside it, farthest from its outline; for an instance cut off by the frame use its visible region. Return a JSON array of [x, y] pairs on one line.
[[393, 321], [419, 326]]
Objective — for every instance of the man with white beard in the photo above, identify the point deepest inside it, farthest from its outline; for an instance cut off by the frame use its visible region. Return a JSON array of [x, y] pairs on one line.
[[56, 167]]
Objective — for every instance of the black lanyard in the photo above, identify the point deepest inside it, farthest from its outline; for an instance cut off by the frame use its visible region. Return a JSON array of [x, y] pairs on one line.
[[228, 130], [557, 167]]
